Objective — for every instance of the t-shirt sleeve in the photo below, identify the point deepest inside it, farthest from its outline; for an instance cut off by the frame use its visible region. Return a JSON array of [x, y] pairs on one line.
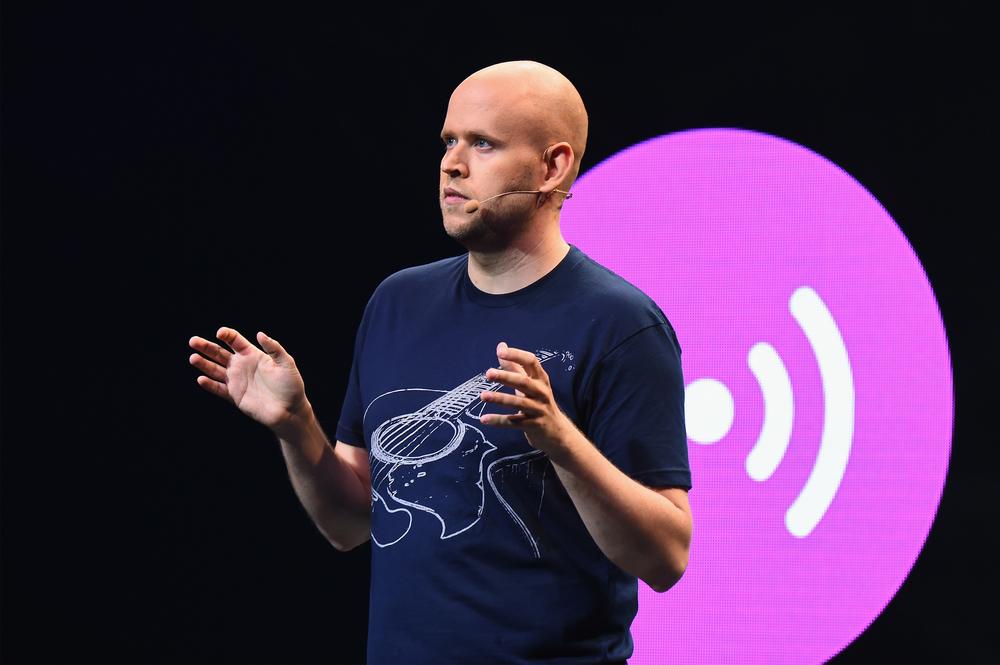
[[350, 426], [636, 414]]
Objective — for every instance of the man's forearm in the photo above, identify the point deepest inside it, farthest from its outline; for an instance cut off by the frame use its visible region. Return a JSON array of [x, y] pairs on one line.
[[642, 532], [329, 490]]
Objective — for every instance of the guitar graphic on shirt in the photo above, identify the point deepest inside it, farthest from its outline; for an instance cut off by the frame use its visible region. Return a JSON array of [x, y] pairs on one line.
[[430, 459]]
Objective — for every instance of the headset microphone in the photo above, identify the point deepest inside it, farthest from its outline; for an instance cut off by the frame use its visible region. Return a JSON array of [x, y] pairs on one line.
[[472, 205]]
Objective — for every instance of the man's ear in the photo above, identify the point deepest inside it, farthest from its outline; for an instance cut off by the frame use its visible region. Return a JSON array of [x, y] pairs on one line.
[[558, 159]]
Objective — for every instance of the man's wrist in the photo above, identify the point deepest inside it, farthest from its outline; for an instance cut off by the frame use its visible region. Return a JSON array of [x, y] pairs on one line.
[[296, 426], [569, 441]]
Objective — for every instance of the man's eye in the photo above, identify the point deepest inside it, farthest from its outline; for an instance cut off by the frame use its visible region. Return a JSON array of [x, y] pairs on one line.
[[478, 143]]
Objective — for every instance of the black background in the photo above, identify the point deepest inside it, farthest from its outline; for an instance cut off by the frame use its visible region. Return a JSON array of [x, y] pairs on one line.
[[170, 168]]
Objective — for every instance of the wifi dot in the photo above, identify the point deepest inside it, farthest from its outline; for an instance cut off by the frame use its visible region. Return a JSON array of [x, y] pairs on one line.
[[708, 411]]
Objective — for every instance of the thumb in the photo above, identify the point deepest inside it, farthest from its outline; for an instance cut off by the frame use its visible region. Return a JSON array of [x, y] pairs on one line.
[[273, 349]]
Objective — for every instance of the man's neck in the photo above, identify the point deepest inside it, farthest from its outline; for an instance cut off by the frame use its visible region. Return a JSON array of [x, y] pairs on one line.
[[522, 263]]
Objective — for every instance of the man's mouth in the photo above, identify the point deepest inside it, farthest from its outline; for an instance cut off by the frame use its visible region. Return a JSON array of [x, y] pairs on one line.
[[453, 196]]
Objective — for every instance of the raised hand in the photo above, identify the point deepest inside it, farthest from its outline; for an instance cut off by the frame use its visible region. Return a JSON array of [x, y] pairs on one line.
[[265, 385], [544, 424]]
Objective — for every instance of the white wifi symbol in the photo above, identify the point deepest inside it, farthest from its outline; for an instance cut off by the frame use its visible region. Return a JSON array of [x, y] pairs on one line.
[[708, 411]]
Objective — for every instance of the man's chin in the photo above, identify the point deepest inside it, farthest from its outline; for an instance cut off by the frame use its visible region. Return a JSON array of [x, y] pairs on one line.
[[470, 232]]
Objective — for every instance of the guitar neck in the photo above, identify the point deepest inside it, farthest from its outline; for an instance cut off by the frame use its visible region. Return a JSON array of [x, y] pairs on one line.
[[458, 399]]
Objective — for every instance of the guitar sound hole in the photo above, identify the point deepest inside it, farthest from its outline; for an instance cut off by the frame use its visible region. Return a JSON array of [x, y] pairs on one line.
[[413, 439]]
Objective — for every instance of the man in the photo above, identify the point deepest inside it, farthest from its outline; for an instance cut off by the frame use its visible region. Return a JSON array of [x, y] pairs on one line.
[[512, 508]]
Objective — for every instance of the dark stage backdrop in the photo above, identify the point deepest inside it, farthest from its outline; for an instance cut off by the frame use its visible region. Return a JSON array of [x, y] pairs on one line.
[[168, 169]]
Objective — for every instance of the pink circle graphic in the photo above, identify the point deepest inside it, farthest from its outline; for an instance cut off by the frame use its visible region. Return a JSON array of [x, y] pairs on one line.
[[818, 380]]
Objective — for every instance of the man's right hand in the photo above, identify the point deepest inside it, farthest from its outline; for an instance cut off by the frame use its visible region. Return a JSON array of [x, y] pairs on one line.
[[265, 385]]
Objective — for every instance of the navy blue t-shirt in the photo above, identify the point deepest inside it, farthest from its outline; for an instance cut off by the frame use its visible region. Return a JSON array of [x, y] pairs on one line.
[[478, 553]]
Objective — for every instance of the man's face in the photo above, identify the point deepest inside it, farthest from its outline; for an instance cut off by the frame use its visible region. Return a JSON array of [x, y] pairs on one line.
[[487, 150]]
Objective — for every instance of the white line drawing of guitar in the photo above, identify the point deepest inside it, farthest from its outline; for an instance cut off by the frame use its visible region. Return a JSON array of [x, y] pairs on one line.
[[430, 459]]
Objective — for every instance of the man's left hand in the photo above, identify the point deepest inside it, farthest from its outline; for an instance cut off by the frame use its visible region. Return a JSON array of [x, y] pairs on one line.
[[544, 424]]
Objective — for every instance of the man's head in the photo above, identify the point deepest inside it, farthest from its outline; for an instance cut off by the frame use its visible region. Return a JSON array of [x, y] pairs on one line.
[[512, 126]]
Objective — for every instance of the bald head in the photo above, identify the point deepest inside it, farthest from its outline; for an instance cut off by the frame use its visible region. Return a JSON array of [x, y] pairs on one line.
[[538, 100]]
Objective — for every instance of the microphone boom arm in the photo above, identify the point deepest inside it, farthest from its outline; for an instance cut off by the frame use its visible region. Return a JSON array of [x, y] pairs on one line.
[[473, 204]]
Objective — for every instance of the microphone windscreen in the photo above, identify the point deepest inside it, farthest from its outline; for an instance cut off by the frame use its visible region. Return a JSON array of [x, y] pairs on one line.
[[472, 206]]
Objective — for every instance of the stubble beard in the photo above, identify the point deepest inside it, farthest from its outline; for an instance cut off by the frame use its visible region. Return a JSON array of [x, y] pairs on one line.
[[495, 225]]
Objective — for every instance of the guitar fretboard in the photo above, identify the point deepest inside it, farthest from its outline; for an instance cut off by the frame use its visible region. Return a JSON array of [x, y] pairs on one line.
[[460, 398]]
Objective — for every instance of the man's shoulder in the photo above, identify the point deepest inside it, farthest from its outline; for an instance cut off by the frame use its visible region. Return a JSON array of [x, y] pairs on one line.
[[623, 307], [603, 288]]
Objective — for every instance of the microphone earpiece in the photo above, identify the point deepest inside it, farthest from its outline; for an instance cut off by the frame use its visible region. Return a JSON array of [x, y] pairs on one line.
[[472, 206]]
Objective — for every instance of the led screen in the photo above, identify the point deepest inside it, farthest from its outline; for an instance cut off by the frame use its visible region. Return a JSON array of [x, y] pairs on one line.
[[818, 387]]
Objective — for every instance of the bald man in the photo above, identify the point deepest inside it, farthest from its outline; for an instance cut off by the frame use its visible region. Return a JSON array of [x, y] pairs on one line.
[[512, 438]]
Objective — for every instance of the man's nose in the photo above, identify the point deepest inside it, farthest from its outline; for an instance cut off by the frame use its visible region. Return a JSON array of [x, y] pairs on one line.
[[453, 163]]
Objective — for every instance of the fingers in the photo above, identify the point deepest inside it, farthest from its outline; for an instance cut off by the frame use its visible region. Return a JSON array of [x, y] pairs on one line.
[[508, 365], [215, 388], [236, 341], [211, 369], [214, 378], [526, 361], [273, 349], [499, 420], [210, 349], [516, 380], [527, 406]]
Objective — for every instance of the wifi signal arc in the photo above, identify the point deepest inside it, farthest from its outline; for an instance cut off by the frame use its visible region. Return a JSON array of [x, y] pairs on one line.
[[828, 469], [838, 412]]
